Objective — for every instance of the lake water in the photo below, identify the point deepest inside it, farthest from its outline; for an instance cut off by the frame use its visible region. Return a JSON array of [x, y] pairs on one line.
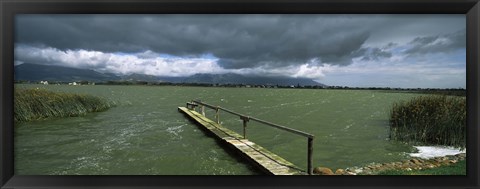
[[146, 135]]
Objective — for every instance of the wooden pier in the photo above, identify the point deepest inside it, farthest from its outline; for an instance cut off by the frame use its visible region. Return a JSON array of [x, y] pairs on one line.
[[260, 157]]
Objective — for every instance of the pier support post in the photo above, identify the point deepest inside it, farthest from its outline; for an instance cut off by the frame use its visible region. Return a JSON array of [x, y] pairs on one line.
[[310, 154], [245, 120], [217, 115]]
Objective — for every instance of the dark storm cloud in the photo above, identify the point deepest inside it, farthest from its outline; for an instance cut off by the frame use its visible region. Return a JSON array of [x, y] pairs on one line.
[[242, 41], [372, 53], [438, 43], [239, 41]]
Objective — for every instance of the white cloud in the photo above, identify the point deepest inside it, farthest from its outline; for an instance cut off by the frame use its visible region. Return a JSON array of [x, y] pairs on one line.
[[309, 71], [428, 71], [434, 70], [120, 63], [306, 70], [152, 63]]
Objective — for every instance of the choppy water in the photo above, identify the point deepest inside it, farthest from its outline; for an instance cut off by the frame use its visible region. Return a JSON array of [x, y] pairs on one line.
[[146, 135]]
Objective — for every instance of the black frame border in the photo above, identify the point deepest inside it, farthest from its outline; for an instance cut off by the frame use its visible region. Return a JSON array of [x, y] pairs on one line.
[[8, 9]]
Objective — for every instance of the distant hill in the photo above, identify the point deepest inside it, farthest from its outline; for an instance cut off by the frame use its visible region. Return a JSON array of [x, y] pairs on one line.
[[231, 78], [36, 72], [140, 77]]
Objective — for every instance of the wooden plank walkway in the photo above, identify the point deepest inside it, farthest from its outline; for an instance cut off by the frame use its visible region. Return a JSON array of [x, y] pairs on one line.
[[263, 159]]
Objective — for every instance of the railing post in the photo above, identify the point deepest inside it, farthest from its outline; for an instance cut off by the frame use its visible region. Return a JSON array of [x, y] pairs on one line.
[[203, 109], [193, 106], [217, 115], [245, 120], [310, 154]]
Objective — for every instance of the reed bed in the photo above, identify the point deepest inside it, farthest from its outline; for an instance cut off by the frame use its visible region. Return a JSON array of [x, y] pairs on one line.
[[430, 120], [35, 104]]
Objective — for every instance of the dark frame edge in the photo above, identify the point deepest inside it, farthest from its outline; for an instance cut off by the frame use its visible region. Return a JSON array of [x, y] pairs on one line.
[[8, 180], [6, 133], [242, 7], [473, 79]]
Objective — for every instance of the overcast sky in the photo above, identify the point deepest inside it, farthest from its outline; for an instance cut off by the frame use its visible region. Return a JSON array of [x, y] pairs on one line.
[[425, 51]]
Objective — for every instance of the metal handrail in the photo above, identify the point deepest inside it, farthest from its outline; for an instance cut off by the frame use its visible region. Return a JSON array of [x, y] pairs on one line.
[[246, 118]]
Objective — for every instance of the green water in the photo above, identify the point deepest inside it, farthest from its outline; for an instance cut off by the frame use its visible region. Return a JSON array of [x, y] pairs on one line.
[[146, 135]]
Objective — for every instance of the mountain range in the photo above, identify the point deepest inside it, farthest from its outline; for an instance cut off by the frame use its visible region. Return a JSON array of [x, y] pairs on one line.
[[231, 78], [37, 72]]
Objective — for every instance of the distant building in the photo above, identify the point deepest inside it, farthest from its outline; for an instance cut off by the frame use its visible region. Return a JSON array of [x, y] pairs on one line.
[[44, 82]]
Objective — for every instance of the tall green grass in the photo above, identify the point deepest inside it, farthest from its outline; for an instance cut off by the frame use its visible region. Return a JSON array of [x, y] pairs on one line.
[[431, 120], [34, 104]]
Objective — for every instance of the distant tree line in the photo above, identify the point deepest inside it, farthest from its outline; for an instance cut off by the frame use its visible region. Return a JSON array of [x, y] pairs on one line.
[[448, 91], [83, 82]]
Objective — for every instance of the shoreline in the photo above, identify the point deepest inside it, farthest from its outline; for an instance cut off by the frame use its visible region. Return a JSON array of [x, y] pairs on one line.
[[427, 157], [408, 165], [414, 164]]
